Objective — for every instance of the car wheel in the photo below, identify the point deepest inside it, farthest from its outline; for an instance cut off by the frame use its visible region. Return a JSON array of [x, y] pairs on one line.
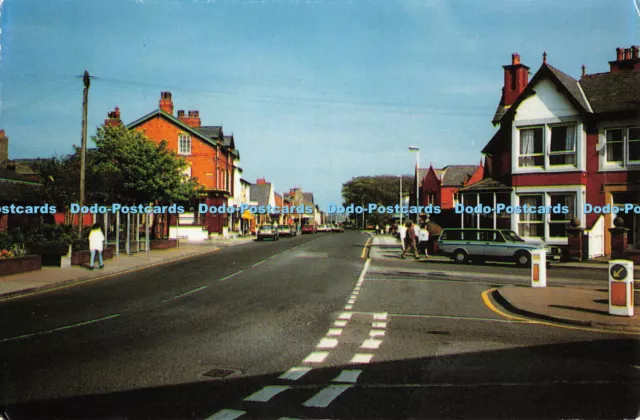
[[459, 257], [523, 259]]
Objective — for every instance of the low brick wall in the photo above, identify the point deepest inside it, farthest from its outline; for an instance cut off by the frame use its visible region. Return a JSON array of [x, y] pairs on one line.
[[84, 257], [633, 256], [20, 264], [163, 243]]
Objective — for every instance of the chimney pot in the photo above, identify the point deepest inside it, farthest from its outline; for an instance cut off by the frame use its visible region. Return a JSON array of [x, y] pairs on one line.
[[627, 54], [619, 54], [515, 59], [165, 102], [180, 113], [634, 51], [1, 133]]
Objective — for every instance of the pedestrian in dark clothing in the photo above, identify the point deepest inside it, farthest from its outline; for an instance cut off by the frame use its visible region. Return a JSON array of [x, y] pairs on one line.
[[410, 241]]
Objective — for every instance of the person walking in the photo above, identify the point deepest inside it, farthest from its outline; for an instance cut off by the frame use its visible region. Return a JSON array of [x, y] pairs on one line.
[[96, 243], [410, 241], [424, 240], [402, 230]]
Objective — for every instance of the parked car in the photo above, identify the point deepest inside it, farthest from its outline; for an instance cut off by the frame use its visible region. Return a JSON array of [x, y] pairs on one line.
[[285, 231], [336, 228], [268, 231], [481, 245], [306, 229]]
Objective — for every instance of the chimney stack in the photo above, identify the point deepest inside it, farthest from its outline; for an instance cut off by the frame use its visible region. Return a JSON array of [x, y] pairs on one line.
[[166, 104], [516, 78], [113, 118], [192, 119], [4, 149], [626, 59]]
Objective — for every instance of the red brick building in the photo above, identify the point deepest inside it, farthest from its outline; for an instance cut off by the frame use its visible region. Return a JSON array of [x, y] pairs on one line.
[[567, 141], [209, 153]]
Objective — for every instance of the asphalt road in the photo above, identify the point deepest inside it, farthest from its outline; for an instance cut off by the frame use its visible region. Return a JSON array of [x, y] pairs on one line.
[[302, 328]]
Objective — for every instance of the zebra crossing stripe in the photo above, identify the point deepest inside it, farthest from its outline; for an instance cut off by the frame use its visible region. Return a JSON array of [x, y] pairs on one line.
[[266, 393], [316, 357], [371, 343], [327, 343], [326, 396], [226, 415], [295, 373], [379, 325], [348, 376]]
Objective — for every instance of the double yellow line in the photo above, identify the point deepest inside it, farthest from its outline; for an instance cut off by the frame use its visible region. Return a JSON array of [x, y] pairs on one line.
[[366, 246]]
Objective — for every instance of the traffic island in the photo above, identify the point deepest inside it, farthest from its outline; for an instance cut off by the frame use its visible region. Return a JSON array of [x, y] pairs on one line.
[[585, 307]]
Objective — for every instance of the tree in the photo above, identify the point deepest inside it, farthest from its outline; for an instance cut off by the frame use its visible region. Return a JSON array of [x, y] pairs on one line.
[[383, 190], [60, 179], [129, 168]]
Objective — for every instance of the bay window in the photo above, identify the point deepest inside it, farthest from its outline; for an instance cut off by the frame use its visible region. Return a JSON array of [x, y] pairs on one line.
[[558, 221], [548, 146], [531, 224]]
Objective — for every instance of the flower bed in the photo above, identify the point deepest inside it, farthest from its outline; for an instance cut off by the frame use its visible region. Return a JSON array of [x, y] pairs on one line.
[[20, 264], [163, 243]]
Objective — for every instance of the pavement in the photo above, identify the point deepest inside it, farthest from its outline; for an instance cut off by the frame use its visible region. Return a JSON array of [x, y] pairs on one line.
[[52, 277], [576, 305]]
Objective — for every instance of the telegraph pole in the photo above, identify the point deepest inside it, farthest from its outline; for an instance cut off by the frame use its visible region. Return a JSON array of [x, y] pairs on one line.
[[85, 99]]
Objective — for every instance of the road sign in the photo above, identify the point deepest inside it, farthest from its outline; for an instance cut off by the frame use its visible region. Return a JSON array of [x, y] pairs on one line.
[[621, 287], [618, 272]]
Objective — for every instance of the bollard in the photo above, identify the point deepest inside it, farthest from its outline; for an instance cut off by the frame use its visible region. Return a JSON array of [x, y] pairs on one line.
[[621, 287], [538, 268]]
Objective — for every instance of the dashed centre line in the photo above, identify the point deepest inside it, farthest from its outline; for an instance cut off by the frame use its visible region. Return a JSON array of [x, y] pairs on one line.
[[258, 263], [231, 275], [186, 293]]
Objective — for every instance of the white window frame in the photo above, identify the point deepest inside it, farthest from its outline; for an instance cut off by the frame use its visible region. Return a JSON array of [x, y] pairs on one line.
[[626, 164], [187, 173], [184, 140], [580, 192], [566, 152], [547, 125]]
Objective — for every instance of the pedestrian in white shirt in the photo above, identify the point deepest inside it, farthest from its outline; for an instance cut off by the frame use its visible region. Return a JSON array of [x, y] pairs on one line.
[[403, 234], [96, 240], [424, 240]]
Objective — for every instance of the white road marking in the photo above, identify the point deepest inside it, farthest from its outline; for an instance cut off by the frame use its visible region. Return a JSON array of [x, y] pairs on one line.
[[345, 315], [376, 333], [67, 327], [348, 376], [231, 275], [316, 357], [226, 415], [351, 301], [348, 307], [327, 343], [258, 263], [334, 331], [371, 343], [340, 323], [380, 316], [186, 293], [295, 373], [361, 358], [379, 325], [326, 396], [266, 393]]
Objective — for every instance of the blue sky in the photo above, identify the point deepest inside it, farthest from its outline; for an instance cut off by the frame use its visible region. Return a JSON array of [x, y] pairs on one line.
[[315, 92]]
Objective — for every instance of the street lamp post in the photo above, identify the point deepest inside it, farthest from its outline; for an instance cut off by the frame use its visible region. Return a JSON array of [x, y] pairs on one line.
[[417, 150], [400, 200]]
